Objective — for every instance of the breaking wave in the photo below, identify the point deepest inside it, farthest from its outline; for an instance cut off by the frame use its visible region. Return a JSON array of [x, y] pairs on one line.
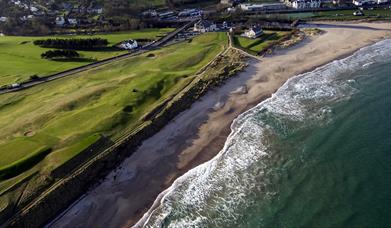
[[217, 193]]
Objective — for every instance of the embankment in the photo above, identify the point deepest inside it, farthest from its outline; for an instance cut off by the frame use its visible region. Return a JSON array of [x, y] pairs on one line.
[[68, 189]]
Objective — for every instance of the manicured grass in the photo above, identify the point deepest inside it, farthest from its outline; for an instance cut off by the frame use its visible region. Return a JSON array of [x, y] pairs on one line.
[[257, 45], [61, 156], [20, 58], [110, 100], [23, 164]]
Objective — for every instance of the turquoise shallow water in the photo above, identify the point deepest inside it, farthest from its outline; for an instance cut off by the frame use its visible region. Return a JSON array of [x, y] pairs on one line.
[[317, 154]]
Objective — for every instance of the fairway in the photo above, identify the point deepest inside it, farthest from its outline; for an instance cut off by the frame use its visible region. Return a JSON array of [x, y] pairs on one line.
[[69, 114], [20, 58]]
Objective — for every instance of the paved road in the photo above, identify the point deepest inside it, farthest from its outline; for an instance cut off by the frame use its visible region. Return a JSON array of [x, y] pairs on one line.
[[73, 71]]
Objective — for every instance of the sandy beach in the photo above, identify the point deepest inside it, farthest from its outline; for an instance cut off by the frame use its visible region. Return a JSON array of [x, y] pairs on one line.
[[198, 134]]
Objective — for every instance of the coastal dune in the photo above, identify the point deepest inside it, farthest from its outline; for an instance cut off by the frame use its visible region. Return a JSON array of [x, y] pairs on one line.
[[198, 134]]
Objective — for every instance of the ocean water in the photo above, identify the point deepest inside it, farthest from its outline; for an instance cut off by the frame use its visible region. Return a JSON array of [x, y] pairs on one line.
[[316, 154]]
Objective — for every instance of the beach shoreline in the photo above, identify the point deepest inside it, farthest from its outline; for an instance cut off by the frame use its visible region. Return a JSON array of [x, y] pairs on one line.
[[196, 135]]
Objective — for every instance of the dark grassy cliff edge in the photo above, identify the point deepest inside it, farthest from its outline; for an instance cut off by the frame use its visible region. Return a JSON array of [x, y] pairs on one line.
[[66, 190]]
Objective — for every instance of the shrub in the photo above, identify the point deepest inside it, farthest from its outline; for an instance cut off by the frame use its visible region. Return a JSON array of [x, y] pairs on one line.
[[73, 44], [34, 77], [55, 54]]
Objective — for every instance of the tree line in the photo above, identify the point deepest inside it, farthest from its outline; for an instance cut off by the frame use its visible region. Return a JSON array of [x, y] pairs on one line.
[[73, 44], [58, 54]]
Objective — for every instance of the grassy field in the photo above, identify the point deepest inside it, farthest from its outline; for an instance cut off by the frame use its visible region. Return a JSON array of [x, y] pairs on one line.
[[256, 45], [21, 58], [70, 114]]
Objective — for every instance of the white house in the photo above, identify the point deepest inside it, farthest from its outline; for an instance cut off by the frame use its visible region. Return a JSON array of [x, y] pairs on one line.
[[150, 13], [262, 7], [231, 9], [253, 32], [60, 21], [33, 9], [367, 2], [96, 9], [304, 4], [205, 26], [3, 19], [72, 21], [129, 45]]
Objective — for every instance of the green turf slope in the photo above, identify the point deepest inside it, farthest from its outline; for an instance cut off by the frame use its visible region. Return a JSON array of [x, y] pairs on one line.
[[20, 58], [110, 100]]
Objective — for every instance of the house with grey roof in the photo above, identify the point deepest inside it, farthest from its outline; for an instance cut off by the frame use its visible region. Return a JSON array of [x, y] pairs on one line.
[[253, 33], [205, 26]]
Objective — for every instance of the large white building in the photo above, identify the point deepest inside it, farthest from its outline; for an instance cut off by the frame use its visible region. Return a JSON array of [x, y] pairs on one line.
[[304, 4], [368, 2], [262, 7]]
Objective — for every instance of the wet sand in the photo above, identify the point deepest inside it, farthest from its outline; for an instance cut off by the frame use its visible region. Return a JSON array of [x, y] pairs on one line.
[[199, 133]]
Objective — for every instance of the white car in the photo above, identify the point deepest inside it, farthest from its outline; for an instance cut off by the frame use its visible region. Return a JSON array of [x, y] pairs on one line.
[[358, 13]]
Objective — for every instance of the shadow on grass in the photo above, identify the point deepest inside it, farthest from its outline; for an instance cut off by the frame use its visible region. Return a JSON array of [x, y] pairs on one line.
[[23, 164], [105, 49]]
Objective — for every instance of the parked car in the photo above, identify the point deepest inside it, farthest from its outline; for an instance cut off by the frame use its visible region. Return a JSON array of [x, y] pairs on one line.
[[15, 85], [358, 13]]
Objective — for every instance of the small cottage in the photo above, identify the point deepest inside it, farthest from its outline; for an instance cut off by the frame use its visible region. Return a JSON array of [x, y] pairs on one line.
[[129, 45], [60, 21], [253, 32]]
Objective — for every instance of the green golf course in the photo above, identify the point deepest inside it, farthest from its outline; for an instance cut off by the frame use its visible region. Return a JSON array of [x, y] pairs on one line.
[[45, 126], [23, 59]]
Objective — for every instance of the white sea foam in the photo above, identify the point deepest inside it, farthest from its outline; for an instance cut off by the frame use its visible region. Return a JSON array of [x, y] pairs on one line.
[[218, 188]]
